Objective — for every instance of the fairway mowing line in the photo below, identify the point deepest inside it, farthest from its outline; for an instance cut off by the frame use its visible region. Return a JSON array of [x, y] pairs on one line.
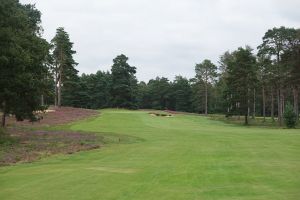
[[113, 170]]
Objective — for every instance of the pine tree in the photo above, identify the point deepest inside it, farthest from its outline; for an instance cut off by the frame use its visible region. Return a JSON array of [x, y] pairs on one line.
[[207, 72], [290, 117], [65, 74], [276, 42], [241, 80], [23, 57], [124, 83]]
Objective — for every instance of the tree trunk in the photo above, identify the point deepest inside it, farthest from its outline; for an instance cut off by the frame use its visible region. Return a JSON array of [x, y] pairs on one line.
[[42, 100], [254, 108], [295, 94], [60, 79], [248, 107], [56, 89], [55, 92], [228, 105], [264, 103], [248, 112], [59, 93], [272, 105], [279, 90], [279, 97], [3, 121], [248, 103], [246, 119], [282, 103], [238, 108], [206, 98], [59, 87]]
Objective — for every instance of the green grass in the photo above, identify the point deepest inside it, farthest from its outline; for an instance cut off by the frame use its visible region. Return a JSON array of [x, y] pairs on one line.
[[180, 157]]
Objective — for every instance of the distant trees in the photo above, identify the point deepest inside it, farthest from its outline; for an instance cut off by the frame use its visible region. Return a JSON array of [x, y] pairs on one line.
[[23, 60], [182, 94], [291, 59], [159, 93], [124, 83], [290, 117], [278, 43], [265, 77], [241, 81], [243, 84], [94, 90]]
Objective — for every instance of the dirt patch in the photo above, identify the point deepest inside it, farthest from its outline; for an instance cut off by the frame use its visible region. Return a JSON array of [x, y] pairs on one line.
[[28, 146], [182, 113], [56, 116], [156, 114]]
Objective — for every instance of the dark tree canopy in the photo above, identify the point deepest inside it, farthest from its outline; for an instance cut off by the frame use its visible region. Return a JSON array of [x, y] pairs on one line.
[[241, 80], [23, 58], [124, 83]]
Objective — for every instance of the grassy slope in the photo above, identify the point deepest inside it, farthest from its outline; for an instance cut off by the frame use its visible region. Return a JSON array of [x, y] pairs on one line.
[[182, 157]]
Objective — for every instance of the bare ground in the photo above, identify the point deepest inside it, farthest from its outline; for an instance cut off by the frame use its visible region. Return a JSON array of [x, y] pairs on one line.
[[56, 116]]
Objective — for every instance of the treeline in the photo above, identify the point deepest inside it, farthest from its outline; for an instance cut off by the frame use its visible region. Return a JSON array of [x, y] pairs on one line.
[[35, 73], [242, 84]]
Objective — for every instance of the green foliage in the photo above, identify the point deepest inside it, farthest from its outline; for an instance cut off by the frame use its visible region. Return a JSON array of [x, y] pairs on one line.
[[291, 59], [206, 71], [23, 58], [182, 94], [241, 81], [5, 138], [94, 91], [66, 78], [283, 44], [63, 52], [290, 117], [159, 93], [124, 83]]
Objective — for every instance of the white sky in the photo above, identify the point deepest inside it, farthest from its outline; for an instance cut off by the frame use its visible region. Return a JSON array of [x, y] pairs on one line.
[[160, 37]]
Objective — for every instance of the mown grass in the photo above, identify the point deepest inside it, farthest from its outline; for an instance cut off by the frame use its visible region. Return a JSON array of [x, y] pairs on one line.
[[179, 157]]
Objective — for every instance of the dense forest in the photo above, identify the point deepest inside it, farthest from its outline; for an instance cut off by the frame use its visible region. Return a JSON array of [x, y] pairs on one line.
[[35, 73]]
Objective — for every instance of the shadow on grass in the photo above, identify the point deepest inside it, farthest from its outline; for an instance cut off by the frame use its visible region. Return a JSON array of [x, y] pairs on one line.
[[268, 122]]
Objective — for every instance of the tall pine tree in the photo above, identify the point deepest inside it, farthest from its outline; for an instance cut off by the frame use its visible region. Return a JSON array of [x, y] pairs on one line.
[[65, 74], [206, 72]]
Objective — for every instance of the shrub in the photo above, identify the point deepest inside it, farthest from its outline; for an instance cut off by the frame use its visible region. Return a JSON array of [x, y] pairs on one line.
[[290, 117], [5, 139]]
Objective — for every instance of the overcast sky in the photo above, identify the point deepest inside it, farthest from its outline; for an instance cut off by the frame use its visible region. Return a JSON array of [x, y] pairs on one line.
[[162, 37]]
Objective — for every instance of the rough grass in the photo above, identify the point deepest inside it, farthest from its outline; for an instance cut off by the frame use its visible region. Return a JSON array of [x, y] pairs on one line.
[[181, 157], [26, 142], [28, 146]]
